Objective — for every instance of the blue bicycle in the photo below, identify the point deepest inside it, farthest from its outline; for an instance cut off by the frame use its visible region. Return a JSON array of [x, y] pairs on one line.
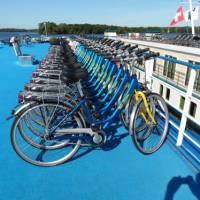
[[50, 132]]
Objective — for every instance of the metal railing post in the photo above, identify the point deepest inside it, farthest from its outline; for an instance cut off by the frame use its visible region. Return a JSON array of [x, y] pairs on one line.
[[186, 107], [149, 72]]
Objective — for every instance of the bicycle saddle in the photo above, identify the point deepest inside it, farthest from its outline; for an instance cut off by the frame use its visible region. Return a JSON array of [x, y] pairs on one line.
[[73, 66], [72, 78], [74, 74]]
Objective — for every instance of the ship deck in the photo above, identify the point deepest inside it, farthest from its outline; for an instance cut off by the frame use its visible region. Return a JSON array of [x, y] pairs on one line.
[[117, 171]]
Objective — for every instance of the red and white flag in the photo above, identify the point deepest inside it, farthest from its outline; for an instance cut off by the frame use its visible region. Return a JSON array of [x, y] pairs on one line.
[[179, 16]]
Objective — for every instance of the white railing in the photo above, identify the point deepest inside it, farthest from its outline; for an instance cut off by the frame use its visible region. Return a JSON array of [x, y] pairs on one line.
[[188, 96]]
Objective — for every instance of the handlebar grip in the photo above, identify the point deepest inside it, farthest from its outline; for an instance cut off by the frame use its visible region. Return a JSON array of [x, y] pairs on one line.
[[127, 46], [124, 47], [115, 42], [120, 44], [109, 42], [151, 55], [133, 47], [141, 51]]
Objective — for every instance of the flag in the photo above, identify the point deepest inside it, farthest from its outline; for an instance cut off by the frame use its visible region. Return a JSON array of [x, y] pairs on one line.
[[179, 16], [195, 13]]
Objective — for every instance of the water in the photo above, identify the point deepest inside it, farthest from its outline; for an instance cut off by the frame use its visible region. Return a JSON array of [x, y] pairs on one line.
[[7, 35]]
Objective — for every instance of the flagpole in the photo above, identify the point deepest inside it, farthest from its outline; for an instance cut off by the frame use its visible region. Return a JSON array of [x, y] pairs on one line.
[[192, 18], [45, 26]]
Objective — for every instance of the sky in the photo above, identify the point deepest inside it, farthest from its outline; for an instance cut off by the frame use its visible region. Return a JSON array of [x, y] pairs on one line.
[[27, 14]]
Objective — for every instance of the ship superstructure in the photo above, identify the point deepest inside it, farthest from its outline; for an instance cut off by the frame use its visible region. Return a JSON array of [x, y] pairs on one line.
[[176, 76]]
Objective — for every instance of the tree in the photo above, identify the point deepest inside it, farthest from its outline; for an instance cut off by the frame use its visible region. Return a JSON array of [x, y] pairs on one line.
[[86, 28]]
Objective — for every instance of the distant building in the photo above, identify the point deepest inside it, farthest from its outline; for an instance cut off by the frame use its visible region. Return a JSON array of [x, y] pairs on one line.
[[133, 35], [110, 33]]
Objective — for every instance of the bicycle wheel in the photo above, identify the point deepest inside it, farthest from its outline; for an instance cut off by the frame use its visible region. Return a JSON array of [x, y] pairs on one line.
[[46, 148], [148, 136], [34, 118]]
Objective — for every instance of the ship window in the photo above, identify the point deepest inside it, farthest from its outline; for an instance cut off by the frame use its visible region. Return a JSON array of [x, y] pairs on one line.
[[169, 68], [154, 65], [165, 67], [182, 102], [193, 108], [187, 75], [138, 75], [161, 90], [198, 81], [168, 94]]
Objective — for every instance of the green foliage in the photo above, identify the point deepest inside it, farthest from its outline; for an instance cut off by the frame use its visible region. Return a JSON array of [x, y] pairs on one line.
[[17, 30], [63, 28]]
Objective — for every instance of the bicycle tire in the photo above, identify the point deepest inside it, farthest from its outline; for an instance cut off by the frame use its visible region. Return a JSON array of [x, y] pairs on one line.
[[16, 133], [142, 142]]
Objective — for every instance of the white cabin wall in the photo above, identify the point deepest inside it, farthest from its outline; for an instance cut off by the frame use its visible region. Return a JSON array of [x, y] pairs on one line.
[[181, 53], [175, 94]]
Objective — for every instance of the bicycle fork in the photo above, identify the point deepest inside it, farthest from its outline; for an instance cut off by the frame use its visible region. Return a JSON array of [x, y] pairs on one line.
[[139, 94]]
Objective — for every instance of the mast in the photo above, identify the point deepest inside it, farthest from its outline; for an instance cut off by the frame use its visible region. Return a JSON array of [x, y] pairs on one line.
[[191, 14], [45, 26]]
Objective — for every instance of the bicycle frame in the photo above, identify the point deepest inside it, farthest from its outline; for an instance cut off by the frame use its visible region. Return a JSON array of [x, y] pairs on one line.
[[105, 121]]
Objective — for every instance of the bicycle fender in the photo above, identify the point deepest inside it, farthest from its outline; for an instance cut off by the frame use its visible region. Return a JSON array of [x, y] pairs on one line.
[[16, 112]]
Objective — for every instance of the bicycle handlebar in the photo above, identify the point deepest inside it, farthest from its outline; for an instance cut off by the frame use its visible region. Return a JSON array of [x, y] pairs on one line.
[[151, 55]]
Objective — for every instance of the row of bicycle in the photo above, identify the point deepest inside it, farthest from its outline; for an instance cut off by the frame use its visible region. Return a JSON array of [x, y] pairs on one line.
[[76, 96]]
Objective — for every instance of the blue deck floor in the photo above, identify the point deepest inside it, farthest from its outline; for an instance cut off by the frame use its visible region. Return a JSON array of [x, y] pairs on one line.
[[117, 172]]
